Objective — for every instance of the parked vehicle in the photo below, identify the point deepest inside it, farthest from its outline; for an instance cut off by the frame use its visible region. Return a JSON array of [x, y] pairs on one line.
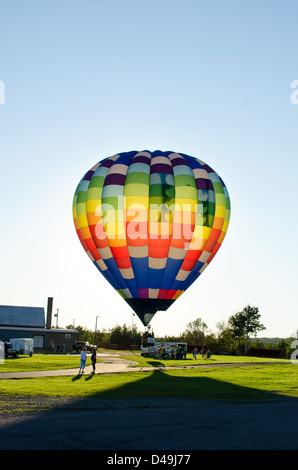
[[11, 349], [79, 345], [24, 345]]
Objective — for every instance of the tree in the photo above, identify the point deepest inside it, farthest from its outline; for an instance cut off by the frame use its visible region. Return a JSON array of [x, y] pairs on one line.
[[124, 335], [226, 340], [246, 323], [84, 334], [195, 332]]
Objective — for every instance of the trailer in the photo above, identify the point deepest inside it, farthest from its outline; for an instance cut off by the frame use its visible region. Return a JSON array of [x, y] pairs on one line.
[[24, 345]]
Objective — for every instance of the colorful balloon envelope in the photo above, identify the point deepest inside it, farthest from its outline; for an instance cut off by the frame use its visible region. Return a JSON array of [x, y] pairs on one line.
[[151, 222]]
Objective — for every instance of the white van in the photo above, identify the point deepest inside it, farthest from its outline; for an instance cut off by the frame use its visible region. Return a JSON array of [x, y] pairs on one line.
[[24, 345]]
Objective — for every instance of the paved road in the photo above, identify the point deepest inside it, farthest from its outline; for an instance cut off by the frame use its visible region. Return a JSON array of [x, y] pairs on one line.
[[111, 363], [151, 424]]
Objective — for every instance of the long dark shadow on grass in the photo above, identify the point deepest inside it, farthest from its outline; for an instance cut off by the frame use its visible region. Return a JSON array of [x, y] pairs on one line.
[[76, 377], [63, 426], [159, 384], [156, 363]]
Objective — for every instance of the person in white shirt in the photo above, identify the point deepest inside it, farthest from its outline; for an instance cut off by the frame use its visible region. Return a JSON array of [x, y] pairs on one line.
[[83, 361]]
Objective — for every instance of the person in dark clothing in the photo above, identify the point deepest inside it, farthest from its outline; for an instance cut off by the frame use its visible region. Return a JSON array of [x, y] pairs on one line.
[[93, 360]]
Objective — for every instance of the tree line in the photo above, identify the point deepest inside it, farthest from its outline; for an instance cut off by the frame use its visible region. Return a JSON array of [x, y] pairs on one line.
[[234, 336]]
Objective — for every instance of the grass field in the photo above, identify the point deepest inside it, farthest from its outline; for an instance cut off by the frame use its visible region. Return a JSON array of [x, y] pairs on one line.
[[241, 383], [40, 362], [220, 359], [71, 361]]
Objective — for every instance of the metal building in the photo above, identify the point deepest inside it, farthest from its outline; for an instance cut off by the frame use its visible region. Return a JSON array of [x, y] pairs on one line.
[[31, 322]]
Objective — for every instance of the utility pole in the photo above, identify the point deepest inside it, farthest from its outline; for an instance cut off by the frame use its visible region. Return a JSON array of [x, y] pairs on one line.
[[133, 314], [56, 315], [97, 316]]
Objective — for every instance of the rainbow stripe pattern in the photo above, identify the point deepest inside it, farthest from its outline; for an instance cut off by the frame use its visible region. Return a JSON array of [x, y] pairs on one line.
[[151, 222]]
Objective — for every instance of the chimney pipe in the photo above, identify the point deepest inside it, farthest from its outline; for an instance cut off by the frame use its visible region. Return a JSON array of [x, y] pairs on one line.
[[49, 313]]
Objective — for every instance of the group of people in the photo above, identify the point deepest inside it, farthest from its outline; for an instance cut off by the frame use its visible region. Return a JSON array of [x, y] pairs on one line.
[[179, 353], [206, 353], [57, 348], [83, 360], [148, 334]]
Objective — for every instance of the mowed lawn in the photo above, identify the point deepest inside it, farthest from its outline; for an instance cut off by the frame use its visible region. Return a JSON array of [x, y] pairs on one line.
[[40, 362], [215, 359], [229, 383], [72, 361]]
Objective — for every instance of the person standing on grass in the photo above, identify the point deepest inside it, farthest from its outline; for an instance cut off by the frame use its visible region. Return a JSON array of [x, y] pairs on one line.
[[93, 360], [195, 352], [83, 359]]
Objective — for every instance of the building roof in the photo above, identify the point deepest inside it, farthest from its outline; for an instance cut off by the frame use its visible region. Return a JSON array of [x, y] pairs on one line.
[[22, 316]]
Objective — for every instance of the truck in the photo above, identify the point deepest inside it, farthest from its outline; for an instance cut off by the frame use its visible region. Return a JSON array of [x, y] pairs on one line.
[[11, 349], [24, 345], [151, 347], [79, 345]]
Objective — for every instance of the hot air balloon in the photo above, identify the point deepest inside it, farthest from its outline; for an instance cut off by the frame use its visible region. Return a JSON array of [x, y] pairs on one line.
[[151, 222]]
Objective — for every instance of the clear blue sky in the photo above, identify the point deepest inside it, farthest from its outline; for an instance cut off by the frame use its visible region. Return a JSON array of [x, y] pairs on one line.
[[85, 79]]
